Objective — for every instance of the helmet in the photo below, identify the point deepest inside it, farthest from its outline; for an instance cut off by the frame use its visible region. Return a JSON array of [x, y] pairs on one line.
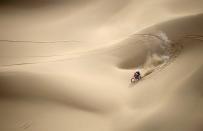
[[137, 72]]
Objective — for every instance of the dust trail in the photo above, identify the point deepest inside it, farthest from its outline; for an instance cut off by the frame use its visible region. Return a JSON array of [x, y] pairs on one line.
[[155, 59]]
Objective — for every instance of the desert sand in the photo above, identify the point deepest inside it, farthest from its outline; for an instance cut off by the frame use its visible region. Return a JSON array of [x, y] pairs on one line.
[[66, 65]]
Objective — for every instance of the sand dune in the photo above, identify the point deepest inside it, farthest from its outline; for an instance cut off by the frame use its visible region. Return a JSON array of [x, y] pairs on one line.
[[67, 65]]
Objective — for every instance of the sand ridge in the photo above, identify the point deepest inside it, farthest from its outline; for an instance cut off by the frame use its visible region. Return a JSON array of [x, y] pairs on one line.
[[67, 65]]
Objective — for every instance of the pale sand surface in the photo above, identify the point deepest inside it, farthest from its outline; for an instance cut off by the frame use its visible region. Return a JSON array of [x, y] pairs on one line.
[[66, 65]]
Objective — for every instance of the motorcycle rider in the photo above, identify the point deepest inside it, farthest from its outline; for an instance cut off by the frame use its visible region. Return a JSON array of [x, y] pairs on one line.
[[137, 75]]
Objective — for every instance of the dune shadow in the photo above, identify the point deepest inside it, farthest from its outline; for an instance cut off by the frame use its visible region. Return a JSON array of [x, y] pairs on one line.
[[29, 86]]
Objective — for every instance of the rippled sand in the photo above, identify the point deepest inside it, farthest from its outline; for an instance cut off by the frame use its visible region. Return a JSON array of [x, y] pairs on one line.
[[66, 65]]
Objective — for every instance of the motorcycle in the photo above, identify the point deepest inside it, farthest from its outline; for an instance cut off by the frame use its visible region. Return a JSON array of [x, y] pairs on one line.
[[135, 79]]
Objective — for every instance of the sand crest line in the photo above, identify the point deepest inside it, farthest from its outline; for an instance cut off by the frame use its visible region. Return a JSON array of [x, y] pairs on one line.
[[39, 42], [196, 37]]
